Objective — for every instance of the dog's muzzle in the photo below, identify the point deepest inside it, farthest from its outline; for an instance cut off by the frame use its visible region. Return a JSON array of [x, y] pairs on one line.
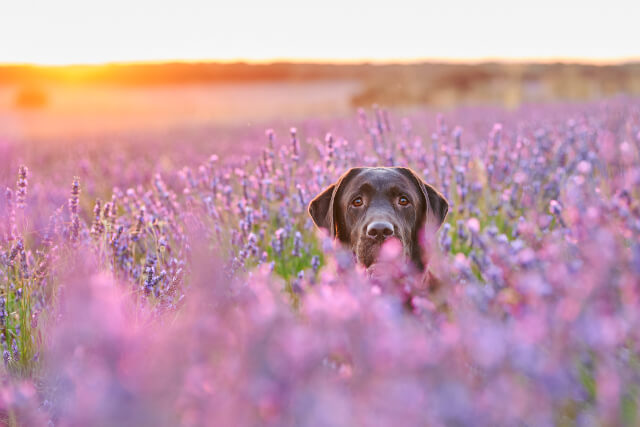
[[380, 230]]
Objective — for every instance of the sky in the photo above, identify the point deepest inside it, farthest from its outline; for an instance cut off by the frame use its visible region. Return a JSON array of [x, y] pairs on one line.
[[57, 32]]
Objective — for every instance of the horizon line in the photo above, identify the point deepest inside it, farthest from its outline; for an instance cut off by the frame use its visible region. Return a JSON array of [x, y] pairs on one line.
[[342, 61]]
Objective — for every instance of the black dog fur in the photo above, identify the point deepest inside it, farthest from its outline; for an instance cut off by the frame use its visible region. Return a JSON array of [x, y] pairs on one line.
[[368, 205]]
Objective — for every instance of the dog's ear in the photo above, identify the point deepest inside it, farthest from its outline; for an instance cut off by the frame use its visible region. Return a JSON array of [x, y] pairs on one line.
[[324, 209], [320, 208], [436, 206], [437, 202]]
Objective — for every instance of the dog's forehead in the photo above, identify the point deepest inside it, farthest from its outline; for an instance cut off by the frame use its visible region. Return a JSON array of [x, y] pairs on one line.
[[380, 179]]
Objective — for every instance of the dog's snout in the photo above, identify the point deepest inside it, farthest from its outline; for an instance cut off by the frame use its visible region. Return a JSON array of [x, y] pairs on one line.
[[380, 229]]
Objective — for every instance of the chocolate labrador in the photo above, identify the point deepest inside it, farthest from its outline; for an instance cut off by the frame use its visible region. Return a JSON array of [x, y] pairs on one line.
[[367, 206]]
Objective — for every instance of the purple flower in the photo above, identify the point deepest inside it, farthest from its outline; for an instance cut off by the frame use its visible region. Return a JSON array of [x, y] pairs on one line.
[[11, 216], [73, 210], [297, 244], [139, 227], [21, 187]]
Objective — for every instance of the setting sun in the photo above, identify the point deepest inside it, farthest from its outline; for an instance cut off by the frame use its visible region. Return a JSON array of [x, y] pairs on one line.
[[73, 31]]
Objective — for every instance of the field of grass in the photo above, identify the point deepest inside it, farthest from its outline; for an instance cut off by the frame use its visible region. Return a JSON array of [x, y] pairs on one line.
[[175, 278], [74, 111]]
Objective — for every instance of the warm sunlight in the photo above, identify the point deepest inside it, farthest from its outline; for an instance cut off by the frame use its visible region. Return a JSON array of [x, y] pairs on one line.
[[74, 31]]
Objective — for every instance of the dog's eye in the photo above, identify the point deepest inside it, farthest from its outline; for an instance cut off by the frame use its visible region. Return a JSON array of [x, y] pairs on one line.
[[403, 201], [357, 202]]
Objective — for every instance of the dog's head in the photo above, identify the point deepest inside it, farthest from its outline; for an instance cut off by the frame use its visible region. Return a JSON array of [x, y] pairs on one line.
[[367, 206]]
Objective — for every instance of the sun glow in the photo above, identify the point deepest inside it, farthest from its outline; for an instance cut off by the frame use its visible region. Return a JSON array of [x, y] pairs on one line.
[[80, 32]]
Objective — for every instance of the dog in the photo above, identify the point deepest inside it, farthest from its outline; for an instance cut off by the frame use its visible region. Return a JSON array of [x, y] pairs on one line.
[[369, 205]]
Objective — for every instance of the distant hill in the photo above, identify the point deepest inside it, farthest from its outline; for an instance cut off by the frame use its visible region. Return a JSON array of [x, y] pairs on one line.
[[437, 84]]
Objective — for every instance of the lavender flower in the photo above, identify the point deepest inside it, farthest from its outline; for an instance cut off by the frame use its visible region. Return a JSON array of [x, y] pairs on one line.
[[445, 238], [3, 312], [556, 210], [295, 146], [11, 216], [14, 350], [315, 263], [97, 227], [139, 227], [73, 210], [21, 186], [297, 244], [149, 271]]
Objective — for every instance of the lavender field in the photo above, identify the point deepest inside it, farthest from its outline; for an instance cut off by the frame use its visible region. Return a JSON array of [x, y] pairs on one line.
[[176, 278]]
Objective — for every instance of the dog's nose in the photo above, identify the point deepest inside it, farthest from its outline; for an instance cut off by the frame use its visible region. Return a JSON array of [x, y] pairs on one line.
[[380, 229]]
